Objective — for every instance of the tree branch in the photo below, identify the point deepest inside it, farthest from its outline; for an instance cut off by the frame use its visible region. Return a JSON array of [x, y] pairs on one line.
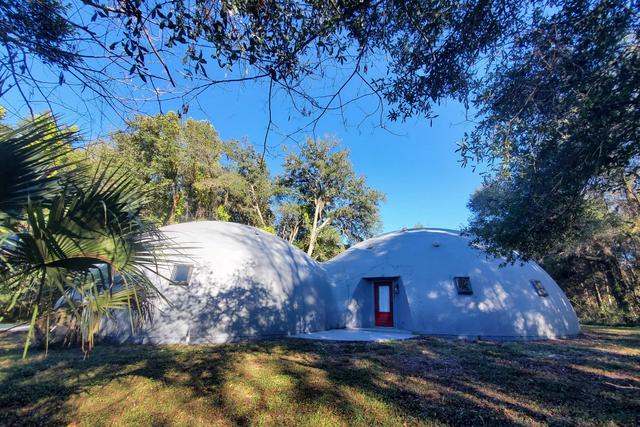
[[164, 65]]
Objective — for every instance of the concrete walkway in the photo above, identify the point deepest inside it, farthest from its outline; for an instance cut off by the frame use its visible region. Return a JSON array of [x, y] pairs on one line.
[[373, 334]]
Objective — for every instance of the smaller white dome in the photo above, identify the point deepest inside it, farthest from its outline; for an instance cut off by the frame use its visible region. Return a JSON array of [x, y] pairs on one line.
[[423, 265], [245, 283]]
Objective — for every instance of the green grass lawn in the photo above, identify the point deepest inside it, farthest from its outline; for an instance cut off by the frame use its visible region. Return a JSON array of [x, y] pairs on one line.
[[591, 380]]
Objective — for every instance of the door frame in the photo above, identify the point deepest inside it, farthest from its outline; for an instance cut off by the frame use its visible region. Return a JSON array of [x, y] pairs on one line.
[[376, 297]]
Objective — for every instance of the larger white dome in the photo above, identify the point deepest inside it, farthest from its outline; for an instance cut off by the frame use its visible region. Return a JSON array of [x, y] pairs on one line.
[[423, 266], [244, 283]]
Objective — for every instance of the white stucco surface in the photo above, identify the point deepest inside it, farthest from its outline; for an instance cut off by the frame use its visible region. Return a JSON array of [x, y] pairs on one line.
[[423, 264], [246, 283]]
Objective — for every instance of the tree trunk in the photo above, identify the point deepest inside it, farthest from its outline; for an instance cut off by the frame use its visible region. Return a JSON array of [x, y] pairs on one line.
[[628, 184], [628, 284], [174, 207], [294, 233], [598, 295], [170, 217], [256, 205], [313, 236], [596, 288], [632, 281], [616, 289], [615, 278]]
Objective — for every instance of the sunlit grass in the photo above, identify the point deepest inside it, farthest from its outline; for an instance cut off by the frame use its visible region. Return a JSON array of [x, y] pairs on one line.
[[591, 380]]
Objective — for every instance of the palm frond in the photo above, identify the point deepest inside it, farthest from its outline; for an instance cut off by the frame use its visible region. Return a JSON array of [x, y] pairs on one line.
[[72, 230], [29, 156]]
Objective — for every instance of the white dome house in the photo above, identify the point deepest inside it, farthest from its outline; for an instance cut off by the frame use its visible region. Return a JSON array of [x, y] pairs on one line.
[[431, 281], [238, 282]]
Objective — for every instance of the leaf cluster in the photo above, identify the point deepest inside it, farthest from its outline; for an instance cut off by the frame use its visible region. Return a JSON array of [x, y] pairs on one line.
[[73, 241]]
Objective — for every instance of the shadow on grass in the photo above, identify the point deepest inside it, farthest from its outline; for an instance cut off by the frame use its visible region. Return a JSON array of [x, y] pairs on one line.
[[590, 380]]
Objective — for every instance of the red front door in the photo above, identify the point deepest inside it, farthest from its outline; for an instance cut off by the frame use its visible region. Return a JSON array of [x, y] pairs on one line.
[[383, 303]]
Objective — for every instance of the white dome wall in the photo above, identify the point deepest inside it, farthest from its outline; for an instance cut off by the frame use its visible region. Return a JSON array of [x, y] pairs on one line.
[[246, 283], [424, 262]]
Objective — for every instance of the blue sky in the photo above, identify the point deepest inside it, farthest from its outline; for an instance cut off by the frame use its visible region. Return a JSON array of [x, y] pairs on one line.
[[414, 164]]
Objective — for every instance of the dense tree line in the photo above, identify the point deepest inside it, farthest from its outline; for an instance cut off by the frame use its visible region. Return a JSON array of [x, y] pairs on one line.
[[561, 124], [600, 266], [318, 204]]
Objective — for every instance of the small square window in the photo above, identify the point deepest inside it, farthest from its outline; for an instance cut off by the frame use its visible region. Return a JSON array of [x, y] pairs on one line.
[[181, 274], [539, 288], [463, 284]]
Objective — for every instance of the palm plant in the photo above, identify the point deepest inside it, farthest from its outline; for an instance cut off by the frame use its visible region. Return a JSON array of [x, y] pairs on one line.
[[68, 234]]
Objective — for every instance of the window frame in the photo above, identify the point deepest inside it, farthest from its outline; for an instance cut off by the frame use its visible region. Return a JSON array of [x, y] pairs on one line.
[[174, 274], [462, 290], [539, 288]]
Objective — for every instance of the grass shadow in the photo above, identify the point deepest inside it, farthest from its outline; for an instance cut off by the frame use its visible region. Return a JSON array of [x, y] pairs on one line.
[[589, 380]]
